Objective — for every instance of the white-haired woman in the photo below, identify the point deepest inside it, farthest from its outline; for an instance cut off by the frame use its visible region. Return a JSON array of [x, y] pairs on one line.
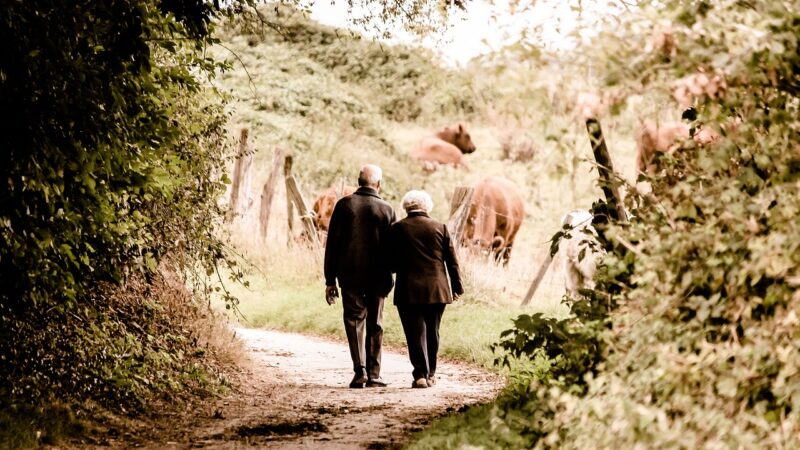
[[424, 259]]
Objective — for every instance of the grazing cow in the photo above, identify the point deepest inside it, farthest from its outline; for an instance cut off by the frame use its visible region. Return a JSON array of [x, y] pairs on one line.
[[323, 208], [495, 215], [697, 86], [665, 137], [581, 251], [446, 147], [590, 105], [662, 40]]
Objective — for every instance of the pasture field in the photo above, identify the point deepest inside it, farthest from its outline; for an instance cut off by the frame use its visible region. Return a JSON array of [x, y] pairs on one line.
[[293, 97]]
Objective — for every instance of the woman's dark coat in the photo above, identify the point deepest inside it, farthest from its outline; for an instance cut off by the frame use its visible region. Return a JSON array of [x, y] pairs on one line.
[[422, 256]]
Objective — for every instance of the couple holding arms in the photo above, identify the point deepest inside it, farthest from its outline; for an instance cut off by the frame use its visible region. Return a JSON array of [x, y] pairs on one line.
[[366, 244]]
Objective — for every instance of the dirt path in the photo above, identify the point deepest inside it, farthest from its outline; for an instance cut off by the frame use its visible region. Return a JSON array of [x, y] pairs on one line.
[[294, 394]]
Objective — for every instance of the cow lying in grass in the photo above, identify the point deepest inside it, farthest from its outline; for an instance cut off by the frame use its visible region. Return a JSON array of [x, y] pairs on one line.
[[447, 147]]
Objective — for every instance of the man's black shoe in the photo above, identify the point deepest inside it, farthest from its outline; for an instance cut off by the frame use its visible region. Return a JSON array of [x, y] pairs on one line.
[[358, 380], [377, 382]]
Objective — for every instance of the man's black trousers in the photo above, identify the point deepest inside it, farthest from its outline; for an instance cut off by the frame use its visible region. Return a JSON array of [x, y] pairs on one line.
[[363, 324]]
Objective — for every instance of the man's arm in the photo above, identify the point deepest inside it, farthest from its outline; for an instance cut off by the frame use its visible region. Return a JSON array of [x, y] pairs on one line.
[[333, 244]]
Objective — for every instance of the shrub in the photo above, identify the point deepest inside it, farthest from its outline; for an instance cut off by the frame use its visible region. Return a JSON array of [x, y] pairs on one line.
[[701, 349], [114, 151]]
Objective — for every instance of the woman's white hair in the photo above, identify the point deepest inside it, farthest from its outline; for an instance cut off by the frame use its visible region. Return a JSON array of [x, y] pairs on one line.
[[417, 201]]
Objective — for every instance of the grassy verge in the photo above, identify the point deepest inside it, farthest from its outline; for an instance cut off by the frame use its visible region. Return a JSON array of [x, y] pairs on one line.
[[288, 296], [23, 426], [470, 429]]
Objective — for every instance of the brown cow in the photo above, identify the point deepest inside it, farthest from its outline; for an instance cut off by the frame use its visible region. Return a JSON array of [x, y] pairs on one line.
[[665, 137], [696, 86], [323, 208], [446, 147], [495, 215]]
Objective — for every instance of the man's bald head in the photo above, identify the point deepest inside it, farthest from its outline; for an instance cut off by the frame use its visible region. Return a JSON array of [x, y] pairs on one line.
[[370, 175]]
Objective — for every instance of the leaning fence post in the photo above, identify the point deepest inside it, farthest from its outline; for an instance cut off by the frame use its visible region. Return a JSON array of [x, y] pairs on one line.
[[605, 167], [538, 278], [268, 192], [241, 171], [287, 173], [340, 189], [608, 183], [296, 197]]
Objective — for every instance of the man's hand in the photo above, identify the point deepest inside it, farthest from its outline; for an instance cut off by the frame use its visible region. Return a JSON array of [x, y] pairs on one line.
[[331, 294], [457, 297]]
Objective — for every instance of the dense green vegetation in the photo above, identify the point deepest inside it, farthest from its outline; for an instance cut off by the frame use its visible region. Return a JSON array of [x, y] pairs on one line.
[[113, 149]]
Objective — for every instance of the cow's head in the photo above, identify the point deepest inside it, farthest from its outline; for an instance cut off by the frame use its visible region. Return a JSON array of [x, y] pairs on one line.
[[477, 242], [463, 140], [458, 136]]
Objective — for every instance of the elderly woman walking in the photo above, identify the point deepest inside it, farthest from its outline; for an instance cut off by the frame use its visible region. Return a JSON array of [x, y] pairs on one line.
[[423, 257]]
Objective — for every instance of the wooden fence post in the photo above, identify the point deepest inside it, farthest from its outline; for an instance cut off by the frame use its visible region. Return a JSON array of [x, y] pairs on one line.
[[268, 192], [538, 278], [295, 197], [287, 173], [340, 190], [608, 180], [459, 210], [608, 183], [241, 171]]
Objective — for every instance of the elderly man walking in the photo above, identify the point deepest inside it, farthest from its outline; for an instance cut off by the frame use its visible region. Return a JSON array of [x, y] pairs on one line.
[[355, 255]]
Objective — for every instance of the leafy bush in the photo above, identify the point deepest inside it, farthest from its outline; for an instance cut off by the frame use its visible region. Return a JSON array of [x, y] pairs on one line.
[[404, 83], [699, 348], [114, 150]]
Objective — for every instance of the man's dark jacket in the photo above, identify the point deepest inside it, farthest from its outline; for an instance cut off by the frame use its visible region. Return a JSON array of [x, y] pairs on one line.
[[356, 251], [423, 255]]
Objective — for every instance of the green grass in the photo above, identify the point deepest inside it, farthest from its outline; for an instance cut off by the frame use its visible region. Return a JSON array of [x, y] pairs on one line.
[[291, 297], [470, 429], [26, 426]]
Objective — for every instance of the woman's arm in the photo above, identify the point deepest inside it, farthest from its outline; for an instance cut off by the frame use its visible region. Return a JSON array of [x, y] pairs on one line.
[[451, 262]]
